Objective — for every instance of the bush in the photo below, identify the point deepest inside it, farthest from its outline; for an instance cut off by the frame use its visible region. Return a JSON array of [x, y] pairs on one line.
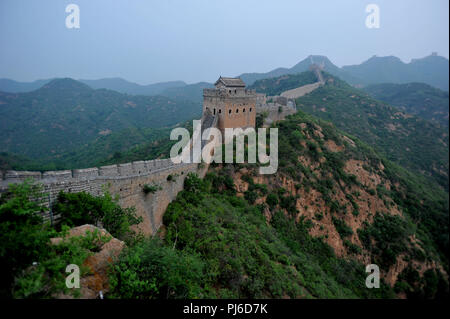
[[31, 266], [342, 227], [47, 277], [150, 270], [272, 200], [23, 236], [77, 209], [151, 188], [251, 196]]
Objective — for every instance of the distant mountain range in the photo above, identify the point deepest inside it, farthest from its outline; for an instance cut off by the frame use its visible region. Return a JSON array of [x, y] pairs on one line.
[[65, 114], [116, 84], [123, 86], [302, 66], [432, 70]]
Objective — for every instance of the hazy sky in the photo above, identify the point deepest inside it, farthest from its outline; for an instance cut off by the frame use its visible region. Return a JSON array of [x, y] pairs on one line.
[[148, 41]]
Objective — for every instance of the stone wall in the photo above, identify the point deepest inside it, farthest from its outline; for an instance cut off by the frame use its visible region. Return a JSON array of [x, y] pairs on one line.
[[275, 112], [125, 180]]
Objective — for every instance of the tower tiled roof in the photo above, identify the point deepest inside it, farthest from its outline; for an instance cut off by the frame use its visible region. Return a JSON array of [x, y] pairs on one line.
[[231, 82]]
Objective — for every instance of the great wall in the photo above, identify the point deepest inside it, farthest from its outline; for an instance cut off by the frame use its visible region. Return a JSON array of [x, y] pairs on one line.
[[127, 180]]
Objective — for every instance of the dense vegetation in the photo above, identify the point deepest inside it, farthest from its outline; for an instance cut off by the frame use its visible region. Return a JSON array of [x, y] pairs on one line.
[[424, 203], [416, 144], [419, 99], [275, 86], [113, 148], [218, 245], [122, 147], [32, 267]]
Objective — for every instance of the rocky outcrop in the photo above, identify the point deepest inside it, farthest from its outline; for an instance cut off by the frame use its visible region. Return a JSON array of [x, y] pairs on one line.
[[96, 281]]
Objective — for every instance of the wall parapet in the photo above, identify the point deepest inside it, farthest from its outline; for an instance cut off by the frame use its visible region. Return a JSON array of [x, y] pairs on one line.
[[136, 168]]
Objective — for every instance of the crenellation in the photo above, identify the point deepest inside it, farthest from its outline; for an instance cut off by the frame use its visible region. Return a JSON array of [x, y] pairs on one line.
[[85, 173], [125, 169], [108, 170], [167, 163], [150, 165], [157, 163], [139, 167], [16, 176], [57, 175]]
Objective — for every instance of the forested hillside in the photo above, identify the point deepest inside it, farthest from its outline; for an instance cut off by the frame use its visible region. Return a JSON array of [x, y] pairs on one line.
[[275, 86], [307, 231], [419, 99], [411, 142], [65, 115]]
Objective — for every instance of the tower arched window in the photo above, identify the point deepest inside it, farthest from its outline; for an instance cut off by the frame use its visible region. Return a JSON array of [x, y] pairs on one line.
[[250, 110], [214, 112]]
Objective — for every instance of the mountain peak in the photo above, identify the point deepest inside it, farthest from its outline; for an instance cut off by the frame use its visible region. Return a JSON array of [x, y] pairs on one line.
[[433, 57], [384, 59], [66, 84]]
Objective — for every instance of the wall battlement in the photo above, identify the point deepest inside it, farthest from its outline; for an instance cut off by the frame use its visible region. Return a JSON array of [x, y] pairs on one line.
[[116, 170], [125, 180], [229, 93]]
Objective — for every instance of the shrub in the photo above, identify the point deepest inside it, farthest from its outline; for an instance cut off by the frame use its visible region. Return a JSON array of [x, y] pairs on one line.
[[151, 188], [342, 227], [77, 209], [251, 196], [23, 236], [151, 270], [272, 200]]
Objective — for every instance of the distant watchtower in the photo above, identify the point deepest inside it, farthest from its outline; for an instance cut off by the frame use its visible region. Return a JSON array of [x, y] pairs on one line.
[[232, 103]]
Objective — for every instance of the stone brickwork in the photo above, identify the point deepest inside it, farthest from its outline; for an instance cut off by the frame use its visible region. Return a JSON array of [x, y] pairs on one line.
[[125, 180], [231, 103]]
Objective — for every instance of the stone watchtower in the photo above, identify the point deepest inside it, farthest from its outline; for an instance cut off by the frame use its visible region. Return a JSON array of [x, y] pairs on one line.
[[232, 103]]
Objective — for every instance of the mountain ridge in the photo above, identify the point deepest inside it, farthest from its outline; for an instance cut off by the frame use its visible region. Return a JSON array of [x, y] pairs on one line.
[[430, 70], [65, 114]]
